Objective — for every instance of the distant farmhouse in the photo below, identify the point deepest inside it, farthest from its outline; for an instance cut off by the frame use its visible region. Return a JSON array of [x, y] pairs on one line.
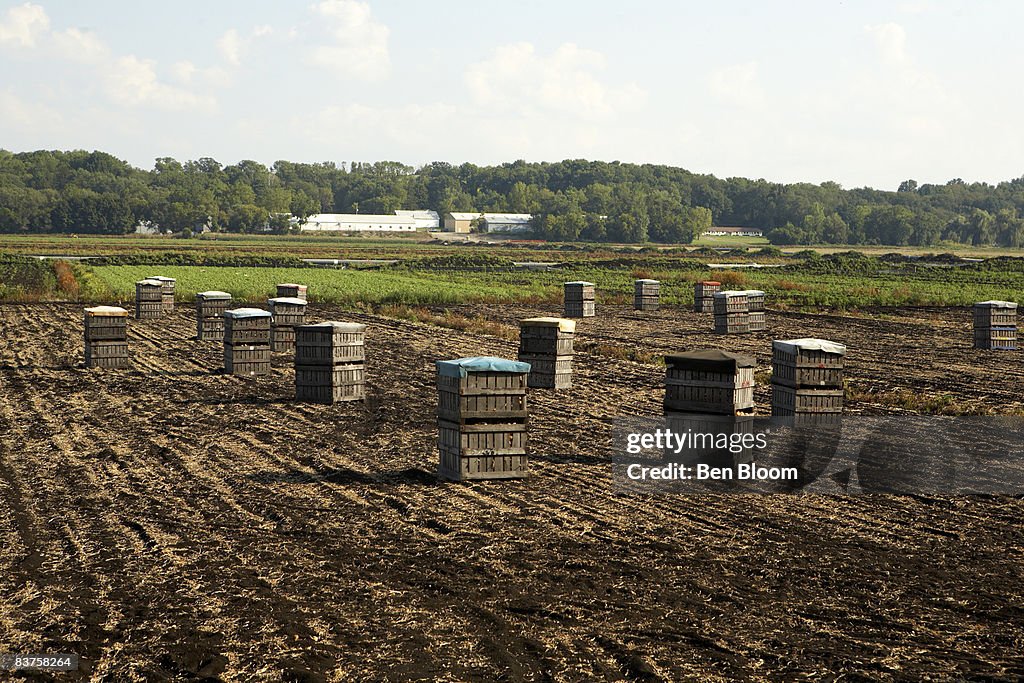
[[734, 232], [402, 221], [489, 222]]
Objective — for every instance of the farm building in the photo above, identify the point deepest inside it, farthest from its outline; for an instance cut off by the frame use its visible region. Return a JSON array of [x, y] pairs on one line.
[[425, 218], [491, 222], [358, 222], [734, 232], [459, 222], [506, 222]]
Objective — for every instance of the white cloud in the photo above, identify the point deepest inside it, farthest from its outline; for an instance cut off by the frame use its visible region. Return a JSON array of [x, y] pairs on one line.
[[230, 45], [80, 46], [358, 46], [21, 114], [737, 85], [23, 25], [891, 40], [133, 82], [515, 78]]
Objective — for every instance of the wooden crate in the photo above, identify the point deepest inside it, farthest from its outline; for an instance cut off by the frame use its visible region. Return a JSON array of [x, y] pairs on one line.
[[756, 321], [491, 438], [791, 401], [328, 376], [287, 306], [551, 365], [247, 368], [487, 406], [704, 431], [579, 291], [282, 339], [996, 338], [331, 334], [246, 326], [107, 354], [246, 353], [730, 302], [732, 323], [212, 304], [755, 299], [704, 295], [807, 363], [292, 290], [210, 329], [330, 394], [540, 380], [148, 310], [149, 290], [710, 381], [581, 309], [995, 314], [646, 303], [482, 467], [530, 345], [106, 323]]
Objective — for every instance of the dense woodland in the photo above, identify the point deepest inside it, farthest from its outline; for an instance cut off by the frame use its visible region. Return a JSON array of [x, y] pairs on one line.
[[94, 192]]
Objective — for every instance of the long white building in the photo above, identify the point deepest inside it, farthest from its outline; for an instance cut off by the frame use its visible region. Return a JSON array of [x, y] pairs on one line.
[[358, 222], [425, 218]]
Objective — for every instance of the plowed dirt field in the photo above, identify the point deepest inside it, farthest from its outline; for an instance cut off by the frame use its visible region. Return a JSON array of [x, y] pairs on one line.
[[172, 523]]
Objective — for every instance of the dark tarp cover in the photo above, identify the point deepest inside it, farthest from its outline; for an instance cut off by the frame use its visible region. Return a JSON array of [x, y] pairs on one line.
[[709, 360]]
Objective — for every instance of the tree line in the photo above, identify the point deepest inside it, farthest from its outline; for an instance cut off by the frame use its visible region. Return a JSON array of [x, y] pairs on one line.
[[94, 192]]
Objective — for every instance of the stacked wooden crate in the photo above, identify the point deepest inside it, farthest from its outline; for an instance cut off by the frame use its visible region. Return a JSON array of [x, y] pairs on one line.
[[106, 337], [579, 299], [709, 391], [995, 325], [646, 295], [290, 289], [288, 312], [482, 418], [709, 381], [731, 313], [807, 377], [546, 344], [704, 295], [210, 307], [149, 295], [247, 341], [166, 292], [330, 362], [755, 310]]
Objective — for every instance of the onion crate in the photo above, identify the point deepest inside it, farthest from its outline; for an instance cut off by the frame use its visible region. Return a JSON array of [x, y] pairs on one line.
[[291, 290], [755, 299], [579, 299], [329, 362], [709, 381], [807, 376], [247, 341], [288, 312], [482, 418], [704, 295], [166, 292], [546, 344], [646, 295], [210, 307], [996, 338], [789, 401], [756, 322], [106, 337], [148, 299], [995, 325]]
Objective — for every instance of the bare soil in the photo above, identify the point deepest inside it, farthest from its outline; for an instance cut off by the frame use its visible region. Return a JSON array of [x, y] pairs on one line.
[[173, 523]]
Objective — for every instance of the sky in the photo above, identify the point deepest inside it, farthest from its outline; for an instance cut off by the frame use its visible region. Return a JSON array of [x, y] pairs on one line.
[[861, 93]]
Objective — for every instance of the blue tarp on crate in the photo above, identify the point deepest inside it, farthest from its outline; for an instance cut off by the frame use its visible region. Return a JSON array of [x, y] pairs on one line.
[[460, 367]]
